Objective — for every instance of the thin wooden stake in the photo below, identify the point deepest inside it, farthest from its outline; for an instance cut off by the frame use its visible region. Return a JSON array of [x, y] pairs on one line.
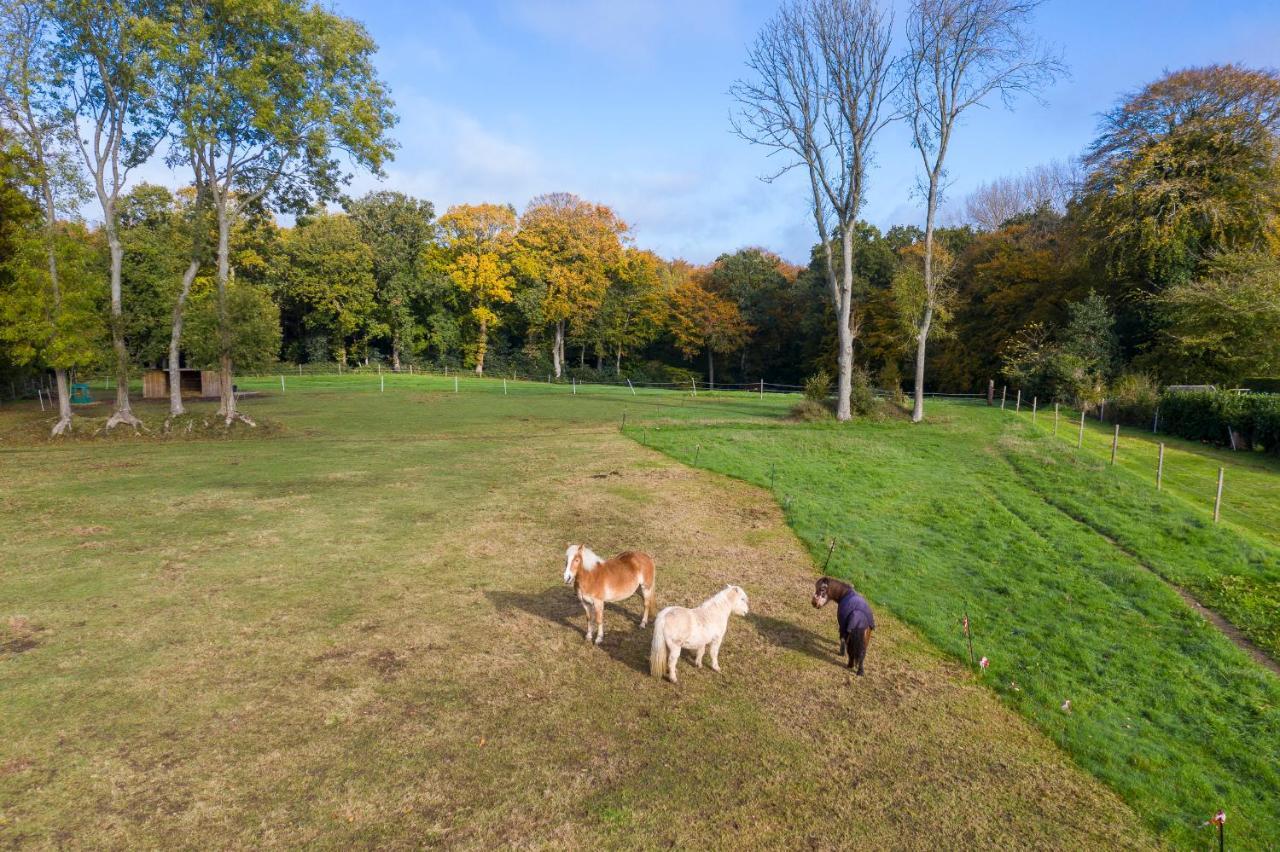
[[575, 385], [1155, 422], [1035, 403], [773, 475], [1004, 390], [1115, 443], [504, 387], [633, 387], [697, 452], [282, 383], [827, 561], [382, 382], [1017, 406], [1217, 501], [968, 635], [40, 396], [455, 384], [1080, 443], [694, 384], [1055, 420], [1160, 469], [762, 390]]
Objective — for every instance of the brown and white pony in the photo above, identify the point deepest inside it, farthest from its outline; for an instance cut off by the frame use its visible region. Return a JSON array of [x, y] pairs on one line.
[[598, 582]]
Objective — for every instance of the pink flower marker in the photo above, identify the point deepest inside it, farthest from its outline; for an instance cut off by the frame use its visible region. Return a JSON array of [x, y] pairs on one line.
[[984, 662]]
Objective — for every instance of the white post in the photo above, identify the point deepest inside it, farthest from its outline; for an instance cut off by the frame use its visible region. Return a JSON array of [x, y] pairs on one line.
[[1017, 406], [40, 396], [1035, 403], [1160, 470], [1115, 443], [1217, 501], [762, 389], [694, 384], [1004, 390], [1055, 420], [382, 381], [1080, 443], [574, 379], [633, 387], [282, 383], [455, 383], [299, 369], [504, 387]]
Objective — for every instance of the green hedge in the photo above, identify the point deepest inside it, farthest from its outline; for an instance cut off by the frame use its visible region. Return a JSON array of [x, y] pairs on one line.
[[1205, 416]]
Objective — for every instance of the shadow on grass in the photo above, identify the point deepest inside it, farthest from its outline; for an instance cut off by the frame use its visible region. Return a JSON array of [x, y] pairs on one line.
[[784, 634], [624, 641]]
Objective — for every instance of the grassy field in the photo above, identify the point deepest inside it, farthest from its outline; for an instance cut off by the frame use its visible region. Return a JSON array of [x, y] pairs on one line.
[[1056, 558], [349, 630]]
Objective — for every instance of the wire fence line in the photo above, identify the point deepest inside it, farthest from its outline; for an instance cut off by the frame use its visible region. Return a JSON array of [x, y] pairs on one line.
[[1211, 480]]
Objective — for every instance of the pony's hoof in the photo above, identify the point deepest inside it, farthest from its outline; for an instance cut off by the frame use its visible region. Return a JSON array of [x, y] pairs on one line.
[[860, 672], [715, 669], [599, 640]]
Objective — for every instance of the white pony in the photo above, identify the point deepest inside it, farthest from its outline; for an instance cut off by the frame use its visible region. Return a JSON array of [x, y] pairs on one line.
[[677, 627]]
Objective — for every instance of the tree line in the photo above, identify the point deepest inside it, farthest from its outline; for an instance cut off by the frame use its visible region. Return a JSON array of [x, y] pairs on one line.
[[1152, 258]]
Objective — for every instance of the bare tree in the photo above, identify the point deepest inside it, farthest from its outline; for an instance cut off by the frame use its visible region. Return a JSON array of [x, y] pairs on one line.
[[1049, 187], [822, 78], [106, 63], [31, 105], [960, 53]]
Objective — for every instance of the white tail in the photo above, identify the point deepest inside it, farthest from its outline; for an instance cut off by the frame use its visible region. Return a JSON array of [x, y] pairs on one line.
[[658, 648]]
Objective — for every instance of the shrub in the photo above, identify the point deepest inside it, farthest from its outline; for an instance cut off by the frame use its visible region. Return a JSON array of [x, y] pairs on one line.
[[817, 388], [1207, 415], [810, 410], [862, 400], [1133, 399]]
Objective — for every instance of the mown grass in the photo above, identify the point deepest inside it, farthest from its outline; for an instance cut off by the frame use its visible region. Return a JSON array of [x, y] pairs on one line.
[[352, 633], [1053, 558]]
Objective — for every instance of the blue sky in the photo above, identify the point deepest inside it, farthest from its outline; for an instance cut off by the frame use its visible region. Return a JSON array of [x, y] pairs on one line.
[[625, 102]]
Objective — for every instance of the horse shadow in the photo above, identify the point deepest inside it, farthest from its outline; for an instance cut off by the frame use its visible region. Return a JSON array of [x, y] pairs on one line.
[[785, 634], [558, 605]]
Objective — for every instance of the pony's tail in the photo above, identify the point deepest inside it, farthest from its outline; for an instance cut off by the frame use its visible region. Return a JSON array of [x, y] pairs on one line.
[[658, 648]]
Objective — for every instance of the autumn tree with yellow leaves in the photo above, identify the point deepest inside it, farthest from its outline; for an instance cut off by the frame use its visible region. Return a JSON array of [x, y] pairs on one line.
[[477, 241]]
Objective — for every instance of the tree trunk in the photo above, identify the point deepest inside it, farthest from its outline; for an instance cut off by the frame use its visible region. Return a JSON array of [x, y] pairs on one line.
[[481, 347], [123, 412], [617, 363], [844, 330], [582, 358], [55, 288], [557, 348], [395, 355], [711, 370], [599, 361], [922, 333], [227, 403], [175, 341], [64, 401]]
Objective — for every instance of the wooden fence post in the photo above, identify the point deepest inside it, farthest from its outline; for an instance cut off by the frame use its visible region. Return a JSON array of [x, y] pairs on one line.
[[1160, 469], [991, 391], [1115, 443], [1217, 501], [1055, 420], [762, 390], [1017, 406], [382, 382], [1035, 403], [282, 383], [455, 384], [1102, 411], [1004, 390], [1080, 442], [504, 391], [1155, 422]]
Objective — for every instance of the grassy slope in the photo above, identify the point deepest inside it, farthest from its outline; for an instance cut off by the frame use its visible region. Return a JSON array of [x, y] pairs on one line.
[[980, 510], [1251, 500], [355, 634]]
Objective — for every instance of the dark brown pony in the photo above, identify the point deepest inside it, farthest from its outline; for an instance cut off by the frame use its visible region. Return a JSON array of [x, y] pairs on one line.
[[853, 617]]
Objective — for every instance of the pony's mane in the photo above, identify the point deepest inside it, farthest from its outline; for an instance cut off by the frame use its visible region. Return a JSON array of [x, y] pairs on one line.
[[589, 558], [834, 585]]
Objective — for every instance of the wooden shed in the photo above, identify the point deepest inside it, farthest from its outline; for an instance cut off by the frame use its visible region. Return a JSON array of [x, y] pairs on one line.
[[195, 383]]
